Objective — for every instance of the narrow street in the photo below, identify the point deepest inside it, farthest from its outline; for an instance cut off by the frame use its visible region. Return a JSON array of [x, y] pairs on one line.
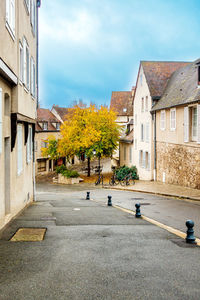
[[91, 251]]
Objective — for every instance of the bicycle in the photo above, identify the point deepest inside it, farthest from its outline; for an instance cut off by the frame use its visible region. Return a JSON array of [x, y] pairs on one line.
[[113, 180], [127, 180], [99, 180]]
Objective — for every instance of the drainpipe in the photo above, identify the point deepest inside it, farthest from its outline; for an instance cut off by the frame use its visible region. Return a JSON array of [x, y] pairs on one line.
[[38, 3], [155, 158]]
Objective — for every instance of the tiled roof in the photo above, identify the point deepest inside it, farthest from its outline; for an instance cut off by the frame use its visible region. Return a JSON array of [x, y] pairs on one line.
[[157, 74], [122, 103], [61, 111], [181, 89], [45, 115]]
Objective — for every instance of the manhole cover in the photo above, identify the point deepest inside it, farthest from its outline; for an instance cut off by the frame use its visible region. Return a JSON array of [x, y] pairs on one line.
[[29, 235], [48, 218]]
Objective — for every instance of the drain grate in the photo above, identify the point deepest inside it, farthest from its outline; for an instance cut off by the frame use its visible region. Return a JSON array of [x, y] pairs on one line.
[[29, 235]]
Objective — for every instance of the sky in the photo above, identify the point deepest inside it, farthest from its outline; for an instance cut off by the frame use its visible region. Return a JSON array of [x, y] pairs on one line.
[[89, 48]]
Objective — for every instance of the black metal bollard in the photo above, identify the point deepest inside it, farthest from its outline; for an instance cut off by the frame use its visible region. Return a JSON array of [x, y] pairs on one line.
[[138, 213], [109, 200], [88, 196], [190, 238]]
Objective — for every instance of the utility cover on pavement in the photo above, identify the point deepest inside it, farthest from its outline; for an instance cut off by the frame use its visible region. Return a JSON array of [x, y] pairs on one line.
[[29, 235]]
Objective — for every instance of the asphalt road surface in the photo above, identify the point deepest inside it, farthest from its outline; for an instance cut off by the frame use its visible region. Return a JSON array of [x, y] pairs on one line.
[[92, 251]]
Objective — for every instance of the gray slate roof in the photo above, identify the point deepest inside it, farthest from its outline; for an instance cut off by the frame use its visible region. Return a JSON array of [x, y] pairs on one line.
[[181, 89]]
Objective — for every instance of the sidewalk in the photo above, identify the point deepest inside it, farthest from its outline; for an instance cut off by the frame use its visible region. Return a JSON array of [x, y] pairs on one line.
[[159, 188]]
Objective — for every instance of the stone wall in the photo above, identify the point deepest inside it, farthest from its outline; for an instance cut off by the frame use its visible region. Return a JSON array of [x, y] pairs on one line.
[[178, 164]]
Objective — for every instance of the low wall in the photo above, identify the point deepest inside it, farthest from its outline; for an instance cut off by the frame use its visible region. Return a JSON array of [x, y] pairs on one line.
[[178, 164], [64, 180]]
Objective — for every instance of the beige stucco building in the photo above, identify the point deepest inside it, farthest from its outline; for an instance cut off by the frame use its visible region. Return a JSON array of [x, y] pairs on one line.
[[18, 100], [47, 126], [177, 147], [151, 82]]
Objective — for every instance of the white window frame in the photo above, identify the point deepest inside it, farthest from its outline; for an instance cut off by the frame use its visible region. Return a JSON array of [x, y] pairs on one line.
[[142, 132], [21, 62], [135, 121], [26, 75], [135, 142], [1, 120], [146, 103], [173, 126], [19, 149], [142, 105], [162, 120], [45, 126], [33, 15], [33, 77], [194, 137], [10, 17], [140, 158]]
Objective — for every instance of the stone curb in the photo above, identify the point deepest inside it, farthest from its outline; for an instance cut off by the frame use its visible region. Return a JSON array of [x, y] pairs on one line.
[[152, 192]]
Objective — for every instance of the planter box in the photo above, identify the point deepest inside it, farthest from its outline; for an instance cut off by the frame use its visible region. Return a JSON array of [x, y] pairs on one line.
[[64, 180]]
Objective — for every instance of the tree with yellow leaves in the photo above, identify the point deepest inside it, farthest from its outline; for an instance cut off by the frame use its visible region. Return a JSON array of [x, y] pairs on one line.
[[89, 131]]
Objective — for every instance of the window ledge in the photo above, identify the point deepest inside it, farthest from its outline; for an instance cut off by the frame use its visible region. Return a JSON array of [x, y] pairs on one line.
[[10, 31], [26, 90]]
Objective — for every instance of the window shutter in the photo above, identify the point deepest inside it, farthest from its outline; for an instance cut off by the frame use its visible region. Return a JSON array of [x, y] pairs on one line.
[[1, 120], [13, 15], [198, 123], [186, 124], [24, 59]]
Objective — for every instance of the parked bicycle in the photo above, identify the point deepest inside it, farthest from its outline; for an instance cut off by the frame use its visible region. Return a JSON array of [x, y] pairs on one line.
[[99, 180], [127, 180], [113, 180]]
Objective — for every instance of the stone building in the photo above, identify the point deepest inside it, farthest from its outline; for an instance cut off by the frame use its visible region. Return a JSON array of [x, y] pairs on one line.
[[18, 101], [177, 113], [122, 103], [47, 126], [126, 146], [151, 82]]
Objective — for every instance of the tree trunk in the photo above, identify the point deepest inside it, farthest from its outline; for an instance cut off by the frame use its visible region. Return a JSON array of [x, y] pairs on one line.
[[99, 164], [88, 166]]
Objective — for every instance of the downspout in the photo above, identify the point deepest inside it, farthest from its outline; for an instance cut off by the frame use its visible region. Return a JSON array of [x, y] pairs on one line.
[[155, 153], [38, 3]]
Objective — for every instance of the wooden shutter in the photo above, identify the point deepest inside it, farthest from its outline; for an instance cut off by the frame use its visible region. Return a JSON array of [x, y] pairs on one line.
[[1, 137], [186, 124], [198, 123]]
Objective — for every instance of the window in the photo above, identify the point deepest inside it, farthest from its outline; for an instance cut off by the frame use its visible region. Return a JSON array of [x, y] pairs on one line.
[[147, 132], [135, 121], [141, 79], [19, 149], [130, 154], [1, 118], [173, 119], [58, 126], [29, 148], [147, 160], [135, 144], [10, 16], [142, 107], [45, 126], [36, 146], [33, 83], [124, 152], [21, 61], [140, 158], [194, 123], [162, 120], [44, 144], [27, 4], [142, 132], [26, 63], [33, 15], [146, 103]]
